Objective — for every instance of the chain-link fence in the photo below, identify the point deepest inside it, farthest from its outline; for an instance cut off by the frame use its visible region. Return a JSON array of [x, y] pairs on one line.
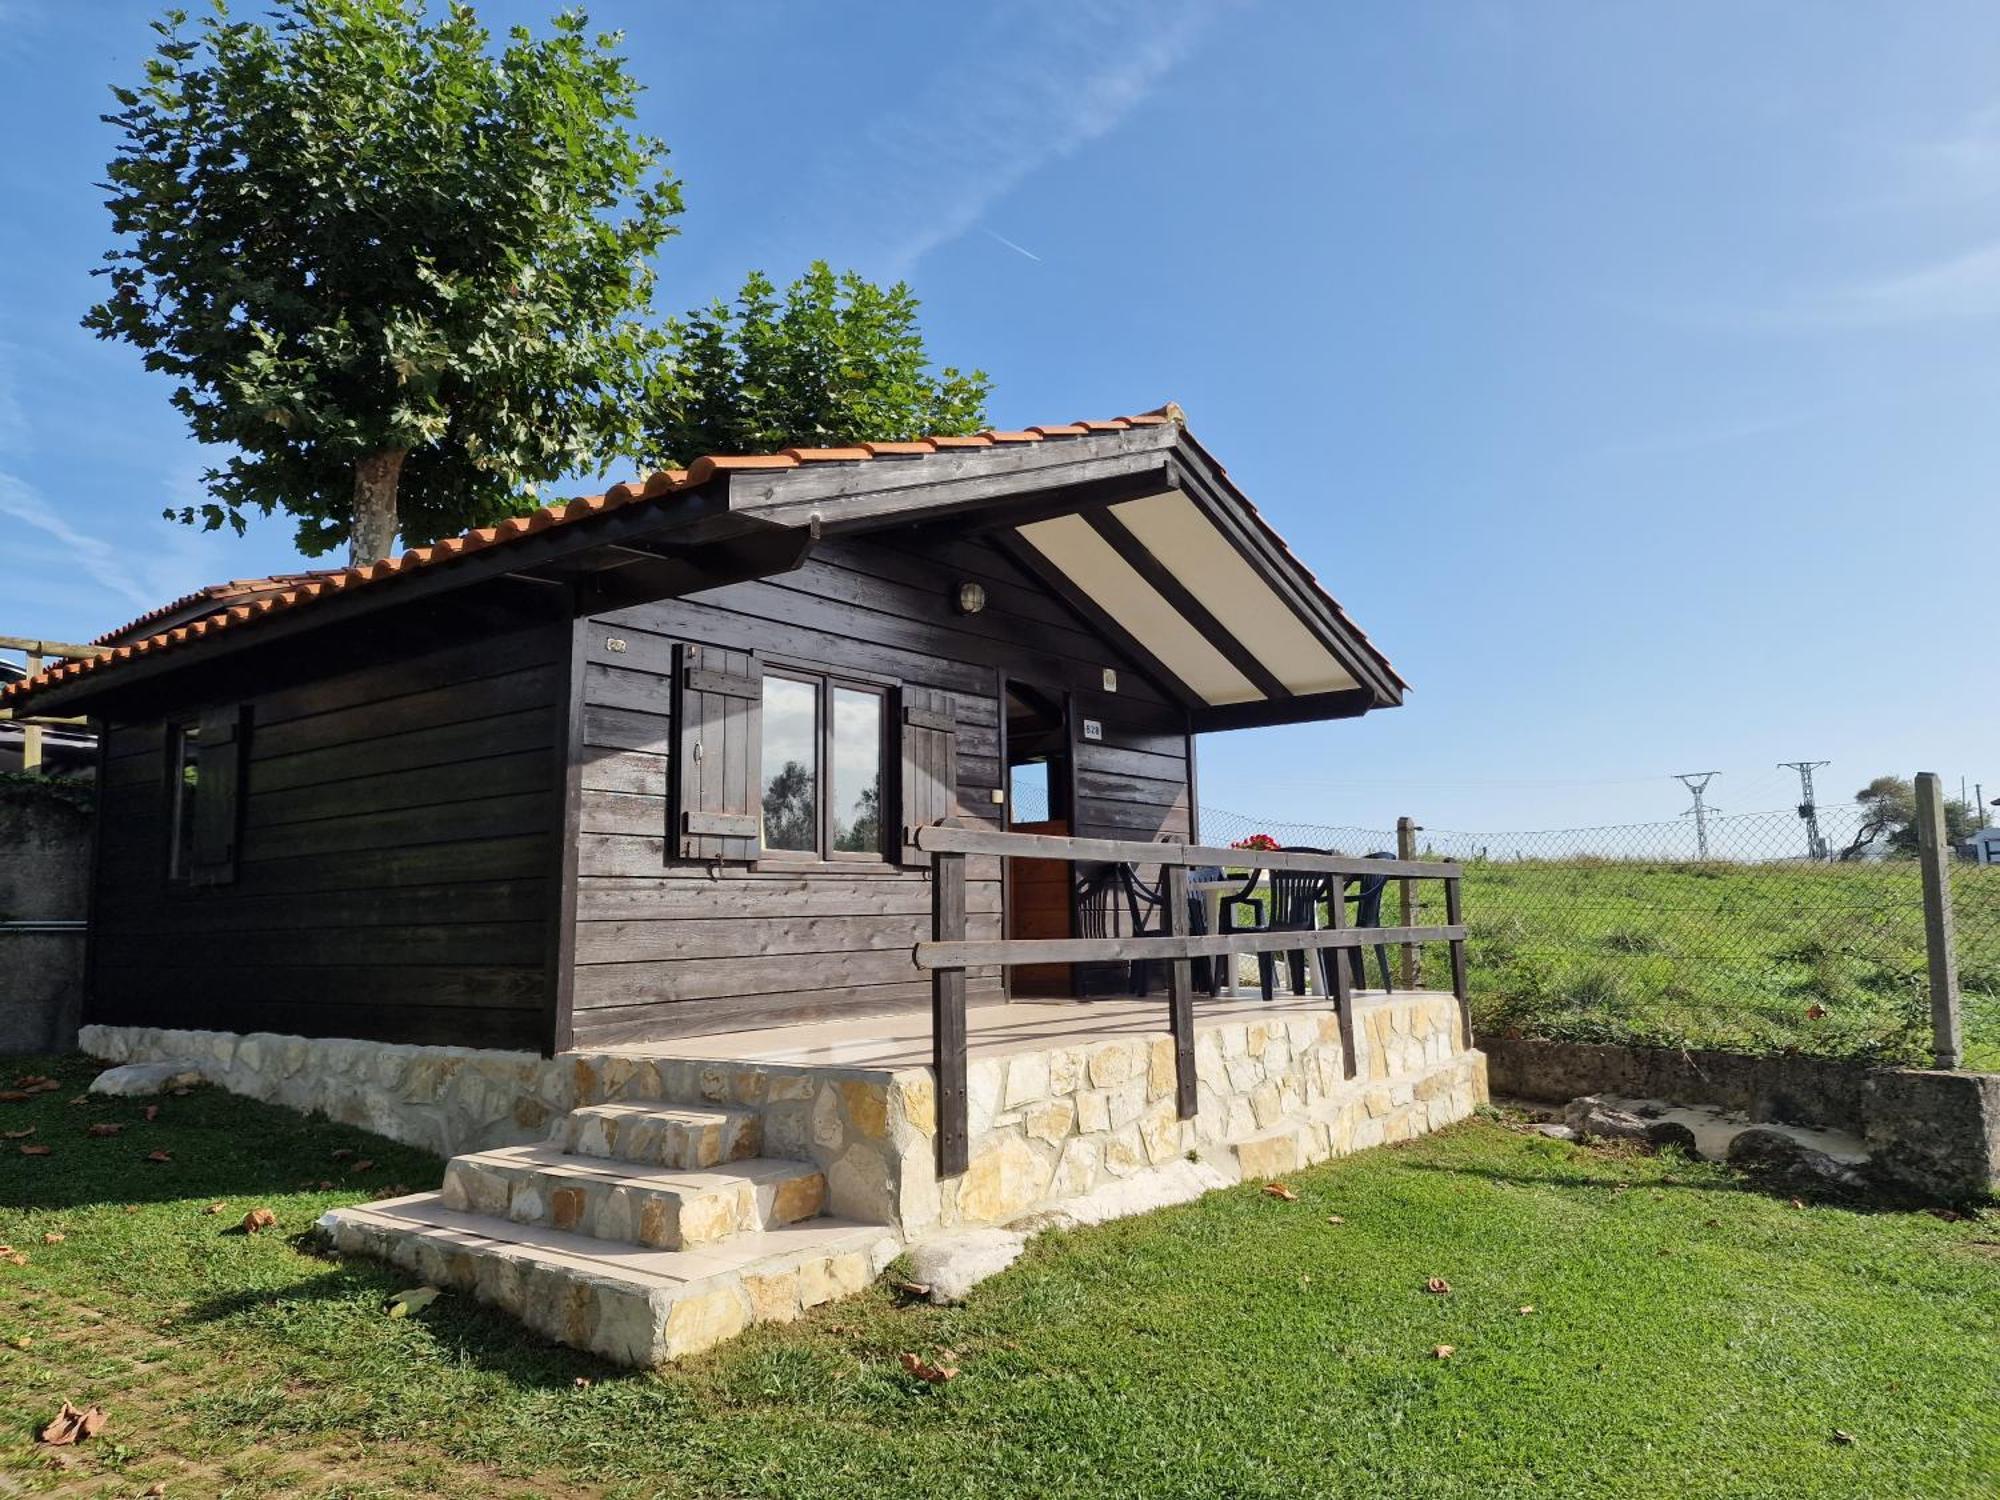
[[1731, 934]]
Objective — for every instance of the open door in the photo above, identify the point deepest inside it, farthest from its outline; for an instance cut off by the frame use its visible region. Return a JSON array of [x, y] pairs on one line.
[[1039, 901]]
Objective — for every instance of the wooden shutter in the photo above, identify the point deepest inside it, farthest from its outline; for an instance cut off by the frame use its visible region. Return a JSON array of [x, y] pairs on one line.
[[218, 797], [929, 773], [718, 770]]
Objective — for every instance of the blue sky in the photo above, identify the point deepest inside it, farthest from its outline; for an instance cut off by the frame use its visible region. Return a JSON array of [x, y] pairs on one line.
[[1627, 371]]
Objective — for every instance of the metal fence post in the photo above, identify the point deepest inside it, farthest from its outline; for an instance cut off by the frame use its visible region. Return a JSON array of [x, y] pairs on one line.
[[1940, 941], [1409, 965]]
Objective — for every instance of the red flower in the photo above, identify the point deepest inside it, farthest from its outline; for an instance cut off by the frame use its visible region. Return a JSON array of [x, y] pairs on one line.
[[1259, 841]]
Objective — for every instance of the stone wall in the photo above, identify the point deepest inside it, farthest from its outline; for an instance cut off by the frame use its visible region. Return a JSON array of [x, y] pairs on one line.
[[44, 877], [1046, 1125], [443, 1099], [1934, 1132]]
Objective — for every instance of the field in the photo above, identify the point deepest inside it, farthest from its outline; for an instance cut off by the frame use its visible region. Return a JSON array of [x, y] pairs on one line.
[[1617, 1326], [1824, 958]]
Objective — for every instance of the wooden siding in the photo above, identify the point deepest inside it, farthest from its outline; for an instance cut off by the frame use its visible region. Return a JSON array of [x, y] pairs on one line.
[[396, 862], [667, 947]]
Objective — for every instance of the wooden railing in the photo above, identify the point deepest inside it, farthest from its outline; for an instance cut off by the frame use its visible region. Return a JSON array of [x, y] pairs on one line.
[[949, 953]]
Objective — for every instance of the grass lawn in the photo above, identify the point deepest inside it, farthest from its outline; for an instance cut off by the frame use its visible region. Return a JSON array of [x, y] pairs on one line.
[[1826, 958], [1690, 1337]]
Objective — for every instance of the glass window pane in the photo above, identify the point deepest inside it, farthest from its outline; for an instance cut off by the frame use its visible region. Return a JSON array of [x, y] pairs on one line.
[[791, 765], [857, 771]]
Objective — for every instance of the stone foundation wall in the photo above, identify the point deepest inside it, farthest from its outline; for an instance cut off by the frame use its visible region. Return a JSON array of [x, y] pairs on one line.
[[444, 1099], [1046, 1125]]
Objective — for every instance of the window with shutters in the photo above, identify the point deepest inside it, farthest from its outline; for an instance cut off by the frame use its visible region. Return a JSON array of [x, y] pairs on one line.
[[205, 760], [824, 769]]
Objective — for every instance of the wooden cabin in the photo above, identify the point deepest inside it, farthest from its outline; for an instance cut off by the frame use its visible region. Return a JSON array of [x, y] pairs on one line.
[[649, 764]]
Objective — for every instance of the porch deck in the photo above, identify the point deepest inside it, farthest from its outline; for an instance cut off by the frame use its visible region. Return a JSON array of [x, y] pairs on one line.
[[993, 1030]]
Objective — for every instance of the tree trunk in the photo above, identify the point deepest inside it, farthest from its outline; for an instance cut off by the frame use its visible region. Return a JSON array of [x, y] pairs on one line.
[[371, 535]]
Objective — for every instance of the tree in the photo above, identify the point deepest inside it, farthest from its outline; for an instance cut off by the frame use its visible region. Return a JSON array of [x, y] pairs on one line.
[[380, 257], [1889, 815], [1887, 803], [837, 360]]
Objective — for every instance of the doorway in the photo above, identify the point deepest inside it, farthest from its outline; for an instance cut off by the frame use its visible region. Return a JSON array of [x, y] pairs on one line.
[[1039, 900]]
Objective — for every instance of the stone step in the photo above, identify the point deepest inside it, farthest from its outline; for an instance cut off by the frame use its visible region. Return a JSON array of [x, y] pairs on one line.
[[664, 1208], [662, 1136], [631, 1305]]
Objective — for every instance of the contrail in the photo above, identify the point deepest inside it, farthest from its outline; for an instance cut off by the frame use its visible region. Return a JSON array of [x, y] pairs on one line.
[[1017, 249]]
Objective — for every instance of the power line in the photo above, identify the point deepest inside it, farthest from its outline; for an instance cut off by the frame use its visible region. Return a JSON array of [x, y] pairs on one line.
[[1808, 808], [1697, 782]]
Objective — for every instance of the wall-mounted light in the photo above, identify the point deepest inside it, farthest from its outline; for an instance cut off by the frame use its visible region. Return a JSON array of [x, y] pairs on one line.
[[971, 598]]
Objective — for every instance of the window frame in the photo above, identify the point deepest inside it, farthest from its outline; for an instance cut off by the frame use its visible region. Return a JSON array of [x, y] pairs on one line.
[[183, 749], [825, 682]]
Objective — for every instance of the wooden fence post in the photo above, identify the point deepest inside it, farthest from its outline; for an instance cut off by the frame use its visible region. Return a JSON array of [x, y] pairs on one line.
[[1940, 941], [1334, 963], [1454, 913], [31, 734], [1180, 990], [948, 1014], [1408, 965]]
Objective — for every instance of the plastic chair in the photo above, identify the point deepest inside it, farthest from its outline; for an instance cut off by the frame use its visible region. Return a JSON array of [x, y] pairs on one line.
[[1367, 901], [1291, 904]]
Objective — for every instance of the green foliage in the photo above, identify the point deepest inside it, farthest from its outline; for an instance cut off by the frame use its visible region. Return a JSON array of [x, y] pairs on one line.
[[1738, 957], [1690, 1337], [359, 233], [79, 792], [836, 360]]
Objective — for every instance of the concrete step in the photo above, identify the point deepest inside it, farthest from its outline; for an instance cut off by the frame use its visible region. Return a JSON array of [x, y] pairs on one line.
[[631, 1305], [661, 1135], [663, 1208]]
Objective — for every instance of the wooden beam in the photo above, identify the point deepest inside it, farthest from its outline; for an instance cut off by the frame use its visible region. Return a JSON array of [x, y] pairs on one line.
[[1163, 581], [1180, 991], [941, 955], [948, 1015], [1117, 638], [935, 837], [1226, 508], [1306, 708]]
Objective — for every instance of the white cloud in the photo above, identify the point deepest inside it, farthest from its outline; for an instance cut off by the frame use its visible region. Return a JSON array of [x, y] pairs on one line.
[[94, 557], [1959, 288], [1048, 78]]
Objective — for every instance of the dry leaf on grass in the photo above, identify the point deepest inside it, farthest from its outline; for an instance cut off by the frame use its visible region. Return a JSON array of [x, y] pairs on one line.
[[1438, 1286], [18, 1135], [215, 1208], [12, 1256], [1798, 1203], [916, 1289], [364, 1165], [1815, 1012], [1842, 1438], [157, 1488], [159, 1156], [416, 1299], [37, 1150], [258, 1218], [583, 1382], [1279, 1190], [153, 1113], [12, 1096], [1335, 1219], [72, 1426], [53, 1237], [923, 1369], [103, 1128], [1443, 1351], [1524, 1309]]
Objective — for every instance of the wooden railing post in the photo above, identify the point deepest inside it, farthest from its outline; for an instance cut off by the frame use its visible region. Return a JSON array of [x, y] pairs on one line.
[[948, 1015], [1940, 938], [1334, 962], [1408, 965], [1180, 990], [1454, 914]]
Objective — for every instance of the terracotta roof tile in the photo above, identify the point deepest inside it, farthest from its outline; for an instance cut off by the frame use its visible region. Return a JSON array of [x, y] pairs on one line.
[[243, 601]]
